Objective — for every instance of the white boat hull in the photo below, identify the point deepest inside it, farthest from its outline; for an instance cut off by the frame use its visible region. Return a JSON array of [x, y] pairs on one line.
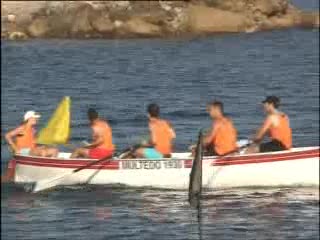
[[299, 166]]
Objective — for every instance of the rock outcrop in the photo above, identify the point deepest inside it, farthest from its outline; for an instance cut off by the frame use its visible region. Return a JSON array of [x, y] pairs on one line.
[[204, 19], [39, 27], [138, 26], [104, 19]]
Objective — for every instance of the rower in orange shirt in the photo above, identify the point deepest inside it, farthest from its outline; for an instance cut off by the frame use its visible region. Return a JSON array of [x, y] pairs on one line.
[[161, 136], [22, 141], [222, 138], [276, 125], [102, 145]]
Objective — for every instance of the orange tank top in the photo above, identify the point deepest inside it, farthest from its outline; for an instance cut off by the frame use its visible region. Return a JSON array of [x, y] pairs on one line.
[[282, 132], [162, 136], [26, 139], [104, 128], [225, 136]]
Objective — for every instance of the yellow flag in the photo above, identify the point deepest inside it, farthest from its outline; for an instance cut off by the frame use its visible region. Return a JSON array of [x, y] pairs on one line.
[[57, 130]]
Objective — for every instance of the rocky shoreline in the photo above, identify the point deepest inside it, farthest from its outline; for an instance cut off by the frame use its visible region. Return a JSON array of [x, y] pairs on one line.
[[147, 19]]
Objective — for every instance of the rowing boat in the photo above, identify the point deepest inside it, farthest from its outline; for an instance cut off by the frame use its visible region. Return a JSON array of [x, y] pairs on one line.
[[298, 166]]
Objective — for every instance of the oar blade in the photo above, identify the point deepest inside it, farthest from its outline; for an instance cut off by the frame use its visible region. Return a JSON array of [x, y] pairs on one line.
[[195, 181], [48, 184]]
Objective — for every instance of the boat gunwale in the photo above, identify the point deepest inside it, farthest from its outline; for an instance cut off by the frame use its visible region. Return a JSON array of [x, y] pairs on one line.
[[294, 154]]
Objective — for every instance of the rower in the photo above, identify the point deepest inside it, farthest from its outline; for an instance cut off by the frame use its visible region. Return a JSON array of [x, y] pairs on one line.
[[276, 125], [22, 139], [161, 136], [101, 145], [222, 139]]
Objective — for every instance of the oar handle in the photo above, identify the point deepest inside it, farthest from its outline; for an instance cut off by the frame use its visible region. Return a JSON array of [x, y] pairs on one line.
[[133, 148]]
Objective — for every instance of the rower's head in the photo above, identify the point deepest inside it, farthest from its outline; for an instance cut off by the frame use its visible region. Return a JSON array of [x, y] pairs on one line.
[[270, 104], [31, 117], [153, 110], [215, 109], [92, 114]]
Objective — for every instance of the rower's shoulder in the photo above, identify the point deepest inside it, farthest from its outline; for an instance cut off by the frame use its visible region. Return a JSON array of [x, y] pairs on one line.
[[282, 114], [167, 122], [275, 117], [101, 123], [104, 121], [227, 119], [20, 129], [272, 117], [279, 114], [160, 121]]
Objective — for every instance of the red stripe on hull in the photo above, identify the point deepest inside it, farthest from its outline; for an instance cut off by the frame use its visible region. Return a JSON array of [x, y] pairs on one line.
[[114, 165], [273, 156], [223, 163], [261, 158]]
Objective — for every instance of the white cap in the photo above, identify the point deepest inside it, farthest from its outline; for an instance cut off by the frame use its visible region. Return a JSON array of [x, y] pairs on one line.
[[31, 114]]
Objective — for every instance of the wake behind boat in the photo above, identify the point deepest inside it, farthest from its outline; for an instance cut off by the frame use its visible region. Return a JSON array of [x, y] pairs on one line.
[[298, 166]]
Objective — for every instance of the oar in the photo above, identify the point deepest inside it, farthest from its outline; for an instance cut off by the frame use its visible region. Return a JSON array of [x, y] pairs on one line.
[[130, 149], [195, 181], [46, 184]]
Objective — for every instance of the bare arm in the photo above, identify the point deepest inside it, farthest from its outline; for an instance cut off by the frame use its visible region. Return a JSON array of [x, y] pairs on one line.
[[97, 139], [210, 136], [12, 134], [263, 129], [172, 132], [152, 138]]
